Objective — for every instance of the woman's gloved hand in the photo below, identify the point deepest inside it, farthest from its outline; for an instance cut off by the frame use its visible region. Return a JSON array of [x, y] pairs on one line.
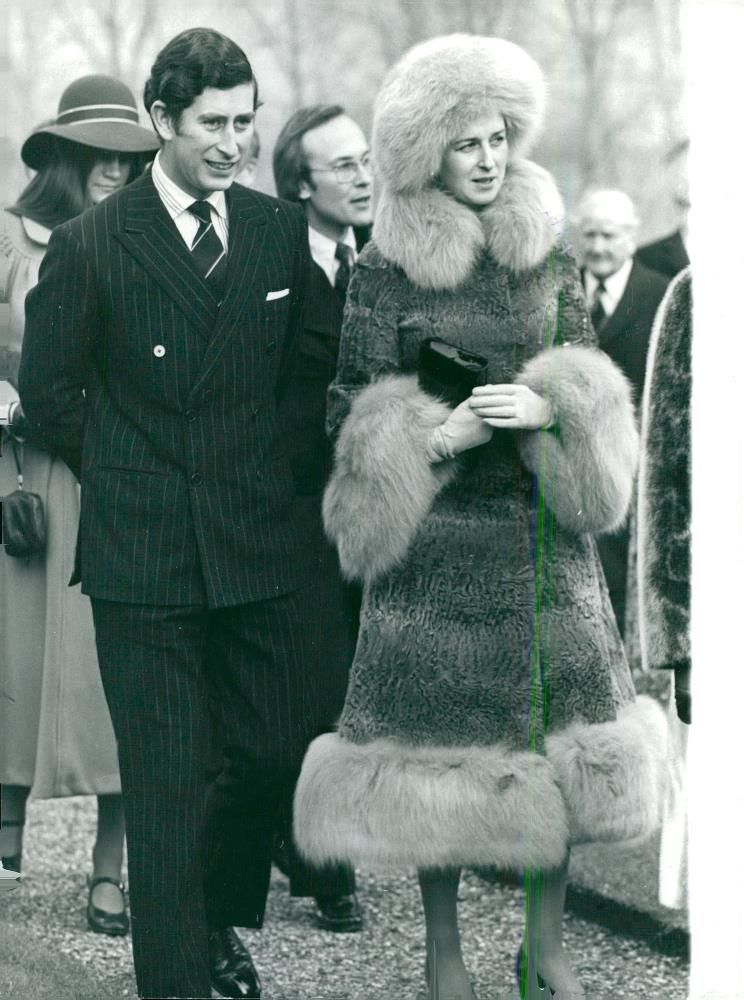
[[460, 431], [512, 406]]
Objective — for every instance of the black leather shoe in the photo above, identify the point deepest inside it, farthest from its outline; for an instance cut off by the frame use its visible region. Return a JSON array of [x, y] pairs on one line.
[[338, 913], [103, 921], [231, 966]]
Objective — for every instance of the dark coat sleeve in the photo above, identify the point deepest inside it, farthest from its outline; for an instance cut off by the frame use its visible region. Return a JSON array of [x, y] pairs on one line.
[[61, 319]]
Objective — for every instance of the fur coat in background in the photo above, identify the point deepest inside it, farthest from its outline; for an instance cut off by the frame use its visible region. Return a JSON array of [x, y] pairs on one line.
[[664, 485], [490, 717]]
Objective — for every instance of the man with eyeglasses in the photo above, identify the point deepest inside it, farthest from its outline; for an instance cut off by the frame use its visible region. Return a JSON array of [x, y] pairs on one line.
[[322, 160]]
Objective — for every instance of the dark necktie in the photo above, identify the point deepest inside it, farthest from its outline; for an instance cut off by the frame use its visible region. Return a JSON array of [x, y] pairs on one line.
[[598, 314], [345, 258], [209, 255]]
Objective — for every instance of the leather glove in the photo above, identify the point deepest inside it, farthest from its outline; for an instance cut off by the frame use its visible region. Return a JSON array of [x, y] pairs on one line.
[[512, 406], [460, 431], [682, 694]]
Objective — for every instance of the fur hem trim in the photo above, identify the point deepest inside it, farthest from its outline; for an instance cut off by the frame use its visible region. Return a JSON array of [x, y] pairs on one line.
[[586, 471], [614, 775], [436, 240], [384, 804], [383, 485]]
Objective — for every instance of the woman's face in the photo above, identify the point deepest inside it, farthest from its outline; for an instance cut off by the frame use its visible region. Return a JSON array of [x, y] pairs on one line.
[[474, 164], [109, 173]]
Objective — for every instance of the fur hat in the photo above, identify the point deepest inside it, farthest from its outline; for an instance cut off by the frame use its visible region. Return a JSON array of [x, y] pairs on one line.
[[424, 102], [426, 96]]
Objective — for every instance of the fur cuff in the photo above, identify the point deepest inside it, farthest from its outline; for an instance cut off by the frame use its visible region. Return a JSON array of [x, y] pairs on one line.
[[586, 472], [385, 804], [614, 775], [382, 484]]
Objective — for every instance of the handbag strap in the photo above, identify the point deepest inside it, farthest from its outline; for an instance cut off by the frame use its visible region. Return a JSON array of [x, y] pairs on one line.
[[17, 463]]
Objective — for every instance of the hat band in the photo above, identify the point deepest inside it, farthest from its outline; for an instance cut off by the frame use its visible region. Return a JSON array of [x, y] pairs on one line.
[[98, 113]]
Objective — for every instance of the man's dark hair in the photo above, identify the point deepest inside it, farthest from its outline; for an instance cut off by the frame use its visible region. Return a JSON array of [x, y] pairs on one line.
[[290, 167], [192, 61]]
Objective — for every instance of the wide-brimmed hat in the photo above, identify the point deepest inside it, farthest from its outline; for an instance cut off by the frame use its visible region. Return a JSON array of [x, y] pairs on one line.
[[97, 111]]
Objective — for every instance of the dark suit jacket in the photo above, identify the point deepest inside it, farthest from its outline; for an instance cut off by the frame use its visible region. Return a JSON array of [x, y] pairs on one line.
[[625, 334], [169, 408], [667, 256]]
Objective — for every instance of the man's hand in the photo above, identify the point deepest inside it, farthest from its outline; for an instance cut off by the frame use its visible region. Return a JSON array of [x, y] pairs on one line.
[[460, 431], [513, 406]]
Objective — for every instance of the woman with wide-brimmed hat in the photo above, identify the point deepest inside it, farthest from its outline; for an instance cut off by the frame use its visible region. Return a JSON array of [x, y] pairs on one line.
[[490, 718], [56, 737]]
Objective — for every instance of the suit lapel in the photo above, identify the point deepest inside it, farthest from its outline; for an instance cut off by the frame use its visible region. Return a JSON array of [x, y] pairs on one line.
[[617, 323], [247, 224], [151, 236]]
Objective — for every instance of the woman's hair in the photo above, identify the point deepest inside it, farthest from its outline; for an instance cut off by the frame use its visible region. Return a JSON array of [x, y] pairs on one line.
[[290, 166], [57, 192], [192, 61]]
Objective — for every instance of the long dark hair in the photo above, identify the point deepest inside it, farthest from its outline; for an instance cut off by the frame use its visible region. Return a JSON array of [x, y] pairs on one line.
[[57, 192]]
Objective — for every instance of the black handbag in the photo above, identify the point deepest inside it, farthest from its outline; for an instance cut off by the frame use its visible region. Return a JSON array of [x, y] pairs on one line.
[[449, 372], [23, 521]]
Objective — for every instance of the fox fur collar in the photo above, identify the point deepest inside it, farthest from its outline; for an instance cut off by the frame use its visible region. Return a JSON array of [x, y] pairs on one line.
[[437, 240]]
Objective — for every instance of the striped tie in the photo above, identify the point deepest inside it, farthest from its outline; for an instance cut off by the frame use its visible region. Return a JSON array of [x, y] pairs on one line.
[[209, 255]]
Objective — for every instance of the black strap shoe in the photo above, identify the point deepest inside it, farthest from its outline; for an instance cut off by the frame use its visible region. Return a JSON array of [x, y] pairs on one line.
[[103, 921], [341, 914], [231, 966]]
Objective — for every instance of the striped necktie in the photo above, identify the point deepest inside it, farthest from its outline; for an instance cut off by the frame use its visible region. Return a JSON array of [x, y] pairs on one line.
[[209, 255]]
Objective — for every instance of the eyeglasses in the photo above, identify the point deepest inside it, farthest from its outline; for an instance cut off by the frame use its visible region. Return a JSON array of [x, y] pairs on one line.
[[347, 171]]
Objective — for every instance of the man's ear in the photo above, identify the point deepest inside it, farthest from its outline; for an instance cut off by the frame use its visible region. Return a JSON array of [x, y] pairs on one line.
[[162, 121], [304, 191]]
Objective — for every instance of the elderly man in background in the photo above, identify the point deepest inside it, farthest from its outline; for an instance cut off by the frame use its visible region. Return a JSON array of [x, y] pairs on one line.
[[322, 161], [623, 296]]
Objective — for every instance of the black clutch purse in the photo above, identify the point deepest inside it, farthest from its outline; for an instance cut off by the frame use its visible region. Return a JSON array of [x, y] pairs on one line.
[[448, 372], [23, 524]]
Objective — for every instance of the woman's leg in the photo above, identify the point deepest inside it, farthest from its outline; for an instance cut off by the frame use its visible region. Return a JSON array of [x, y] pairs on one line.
[[13, 814], [546, 899], [108, 853], [445, 970]]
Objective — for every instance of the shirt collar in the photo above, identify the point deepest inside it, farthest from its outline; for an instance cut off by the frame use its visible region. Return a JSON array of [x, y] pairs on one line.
[[323, 248], [614, 285], [176, 200]]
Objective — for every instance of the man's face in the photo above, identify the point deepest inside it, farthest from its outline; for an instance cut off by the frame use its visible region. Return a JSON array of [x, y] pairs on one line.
[[204, 154], [333, 204], [607, 243]]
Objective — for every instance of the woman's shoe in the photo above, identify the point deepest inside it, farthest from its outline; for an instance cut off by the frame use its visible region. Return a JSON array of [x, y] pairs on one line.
[[520, 965], [12, 862], [103, 921]]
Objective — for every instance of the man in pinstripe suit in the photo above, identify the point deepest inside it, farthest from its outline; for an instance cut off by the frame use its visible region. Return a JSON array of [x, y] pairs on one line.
[[158, 349]]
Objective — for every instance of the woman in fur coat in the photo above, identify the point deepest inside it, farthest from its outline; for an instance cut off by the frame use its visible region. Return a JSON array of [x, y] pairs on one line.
[[490, 717]]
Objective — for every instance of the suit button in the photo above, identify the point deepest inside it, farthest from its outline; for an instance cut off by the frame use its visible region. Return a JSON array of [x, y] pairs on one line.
[[256, 410], [271, 347], [196, 479], [191, 415], [158, 350], [259, 474]]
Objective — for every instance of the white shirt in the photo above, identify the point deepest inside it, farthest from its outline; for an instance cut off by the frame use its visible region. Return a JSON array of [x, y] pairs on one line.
[[614, 287], [177, 202], [323, 250]]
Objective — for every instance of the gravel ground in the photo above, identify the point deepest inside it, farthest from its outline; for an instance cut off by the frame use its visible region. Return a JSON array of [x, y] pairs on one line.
[[299, 962]]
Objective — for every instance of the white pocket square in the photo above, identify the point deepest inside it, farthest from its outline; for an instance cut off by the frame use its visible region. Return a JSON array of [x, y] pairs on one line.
[[270, 296]]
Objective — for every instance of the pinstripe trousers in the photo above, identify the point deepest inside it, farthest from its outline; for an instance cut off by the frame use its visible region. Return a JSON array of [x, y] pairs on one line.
[[198, 859]]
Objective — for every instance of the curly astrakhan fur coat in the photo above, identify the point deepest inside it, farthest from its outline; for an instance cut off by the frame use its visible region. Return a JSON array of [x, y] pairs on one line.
[[664, 485], [490, 717]]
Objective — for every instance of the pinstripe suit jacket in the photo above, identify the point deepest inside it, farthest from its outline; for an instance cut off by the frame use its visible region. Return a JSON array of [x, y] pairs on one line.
[[168, 407]]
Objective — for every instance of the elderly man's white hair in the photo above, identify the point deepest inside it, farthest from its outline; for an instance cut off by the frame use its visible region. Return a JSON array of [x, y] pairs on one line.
[[607, 204]]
